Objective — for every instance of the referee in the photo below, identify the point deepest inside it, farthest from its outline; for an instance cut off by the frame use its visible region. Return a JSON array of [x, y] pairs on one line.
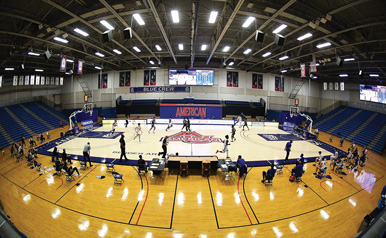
[[164, 147], [123, 148], [86, 153]]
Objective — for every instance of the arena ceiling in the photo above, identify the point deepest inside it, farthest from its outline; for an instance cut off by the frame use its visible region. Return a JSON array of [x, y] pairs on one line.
[[352, 29]]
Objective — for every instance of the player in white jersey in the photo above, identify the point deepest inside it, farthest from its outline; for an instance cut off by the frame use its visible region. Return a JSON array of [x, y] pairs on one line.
[[113, 127], [170, 123], [138, 132], [333, 157], [225, 149]]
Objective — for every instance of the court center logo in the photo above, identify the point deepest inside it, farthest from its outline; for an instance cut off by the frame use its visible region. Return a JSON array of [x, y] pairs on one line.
[[192, 137]]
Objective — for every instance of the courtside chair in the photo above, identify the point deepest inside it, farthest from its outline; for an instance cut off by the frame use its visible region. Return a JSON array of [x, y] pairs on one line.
[[110, 168], [298, 177], [69, 177], [118, 178], [39, 167], [83, 165], [268, 182], [279, 169]]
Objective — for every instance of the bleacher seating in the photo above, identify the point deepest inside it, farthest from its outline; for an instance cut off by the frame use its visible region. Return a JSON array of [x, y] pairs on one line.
[[53, 121], [144, 101], [59, 114], [227, 102], [328, 114], [35, 125], [11, 126], [348, 128], [327, 125]]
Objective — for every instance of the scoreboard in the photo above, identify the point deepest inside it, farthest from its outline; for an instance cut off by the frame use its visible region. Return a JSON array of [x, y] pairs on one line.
[[191, 77]]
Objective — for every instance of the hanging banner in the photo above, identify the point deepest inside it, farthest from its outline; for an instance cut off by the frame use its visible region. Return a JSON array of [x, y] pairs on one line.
[[336, 86], [341, 86], [229, 79], [104, 80], [63, 64], [26, 80], [331, 86], [146, 75], [99, 81], [313, 64], [52, 80], [1, 80], [302, 70], [42, 80], [121, 79], [260, 81], [14, 81], [61, 80], [21, 80], [254, 80], [235, 78], [57, 81], [32, 82], [47, 80], [80, 66], [153, 79], [37, 80], [167, 89], [325, 87], [127, 79]]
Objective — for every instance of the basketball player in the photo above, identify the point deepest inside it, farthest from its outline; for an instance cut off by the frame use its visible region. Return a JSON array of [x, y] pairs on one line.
[[127, 121], [333, 157], [184, 122], [341, 142], [233, 133], [170, 123], [349, 155], [152, 125], [225, 149], [138, 132], [245, 123], [239, 121], [123, 147], [164, 147], [113, 127], [188, 125]]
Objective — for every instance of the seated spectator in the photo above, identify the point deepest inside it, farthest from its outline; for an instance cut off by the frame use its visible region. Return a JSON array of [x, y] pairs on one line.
[[242, 166], [333, 157], [66, 157], [71, 170], [301, 159], [42, 139], [142, 164], [317, 162], [340, 165], [48, 135], [341, 142], [298, 170], [269, 174], [34, 152], [349, 155], [322, 167]]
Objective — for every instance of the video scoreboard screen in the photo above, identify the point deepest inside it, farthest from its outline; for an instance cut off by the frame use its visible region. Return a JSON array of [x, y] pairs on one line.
[[191, 77], [373, 93]]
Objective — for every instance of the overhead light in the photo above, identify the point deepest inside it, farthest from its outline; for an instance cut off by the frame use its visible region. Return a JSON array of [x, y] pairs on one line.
[[136, 49], [117, 51], [60, 39], [284, 57], [97, 67], [158, 47], [39, 70], [279, 29], [226, 49], [70, 60], [248, 22], [139, 19], [213, 16], [284, 71], [315, 77], [267, 54], [247, 51], [151, 62], [107, 25], [374, 75], [231, 63], [180, 46], [323, 45], [343, 75], [175, 16], [360, 72], [22, 66], [305, 36], [349, 59], [9, 69], [317, 64], [203, 47], [67, 72], [33, 53], [83, 33], [99, 54]]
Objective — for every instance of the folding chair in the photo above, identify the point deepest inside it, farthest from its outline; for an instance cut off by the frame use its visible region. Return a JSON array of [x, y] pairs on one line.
[[110, 168], [69, 177], [118, 178], [298, 177], [38, 167], [83, 165], [279, 169]]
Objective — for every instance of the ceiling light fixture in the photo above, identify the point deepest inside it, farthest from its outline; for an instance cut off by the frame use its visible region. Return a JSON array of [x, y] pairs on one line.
[[136, 49], [203, 47], [97, 67], [284, 71], [247, 51], [226, 49], [9, 69], [33, 53], [151, 62], [284, 57], [158, 47], [117, 51], [107, 25], [180, 46], [323, 45], [79, 31], [349, 59], [305, 36], [39, 70], [213, 16], [343, 75], [139, 19], [279, 29], [374, 75], [231, 63], [267, 54], [248, 22], [175, 16], [60, 39], [99, 54]]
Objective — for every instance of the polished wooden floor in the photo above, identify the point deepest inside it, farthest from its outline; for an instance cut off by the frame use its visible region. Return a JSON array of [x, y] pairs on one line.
[[41, 205]]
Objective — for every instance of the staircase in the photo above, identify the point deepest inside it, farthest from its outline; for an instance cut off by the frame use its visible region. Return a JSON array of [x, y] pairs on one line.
[[344, 122], [53, 114], [24, 126], [6, 135], [83, 84], [37, 117], [377, 137], [296, 89], [328, 118], [359, 129]]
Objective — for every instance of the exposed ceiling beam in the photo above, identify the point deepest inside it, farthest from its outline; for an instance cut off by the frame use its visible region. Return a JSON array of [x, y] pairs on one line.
[[127, 26], [346, 6], [277, 13], [194, 30], [230, 20]]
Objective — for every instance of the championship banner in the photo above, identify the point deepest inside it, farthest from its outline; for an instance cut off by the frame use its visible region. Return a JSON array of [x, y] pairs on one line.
[[121, 79], [26, 80], [32, 82], [279, 84], [153, 79], [80, 66], [127, 79], [167, 89], [37, 80], [260, 81], [313, 64], [254, 80], [235, 77], [57, 81], [21, 80], [191, 111], [146, 75], [336, 86], [14, 80], [325, 87], [61, 81], [229, 79], [302, 70], [341, 86], [63, 64], [42, 78]]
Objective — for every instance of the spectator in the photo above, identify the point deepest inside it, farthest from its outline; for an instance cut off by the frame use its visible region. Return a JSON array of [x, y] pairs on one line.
[[42, 139], [341, 142], [142, 164], [349, 155], [242, 166], [382, 200], [66, 157], [55, 154], [333, 157], [298, 170], [22, 139], [48, 135], [269, 174], [331, 138], [61, 125], [301, 159]]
